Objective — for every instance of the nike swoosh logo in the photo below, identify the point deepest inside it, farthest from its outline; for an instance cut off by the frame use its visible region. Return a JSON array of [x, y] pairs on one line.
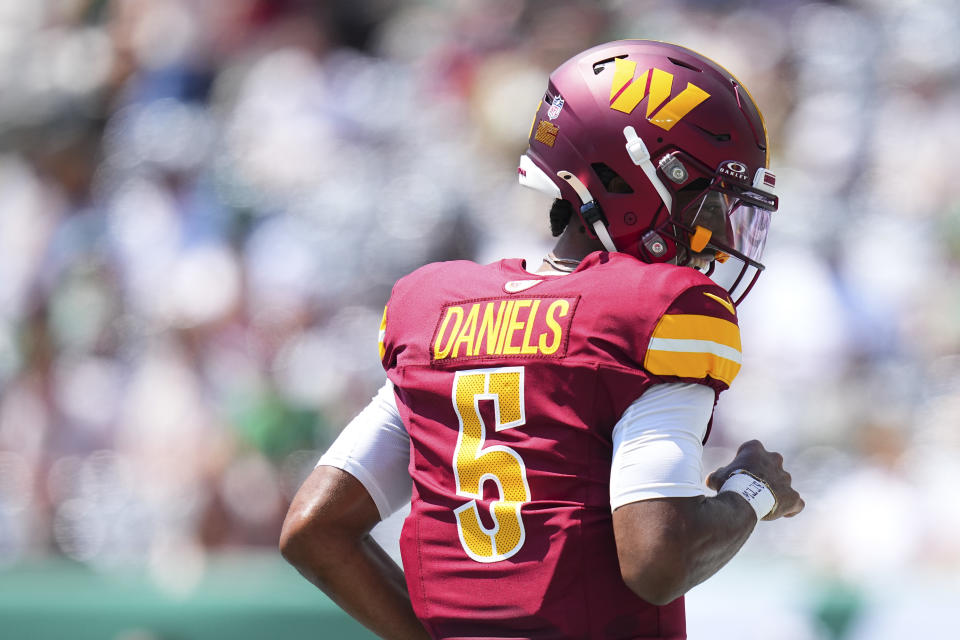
[[515, 286], [726, 303]]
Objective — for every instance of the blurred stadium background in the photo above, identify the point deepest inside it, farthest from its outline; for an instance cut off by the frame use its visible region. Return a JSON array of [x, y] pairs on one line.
[[203, 205]]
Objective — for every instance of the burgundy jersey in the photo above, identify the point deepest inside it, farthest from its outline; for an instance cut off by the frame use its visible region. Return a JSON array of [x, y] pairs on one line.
[[510, 384]]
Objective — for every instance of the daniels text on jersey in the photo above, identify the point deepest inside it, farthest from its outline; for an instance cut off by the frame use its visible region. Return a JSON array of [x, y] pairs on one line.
[[503, 327]]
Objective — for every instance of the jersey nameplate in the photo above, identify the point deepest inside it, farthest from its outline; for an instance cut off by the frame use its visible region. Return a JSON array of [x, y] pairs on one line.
[[498, 327]]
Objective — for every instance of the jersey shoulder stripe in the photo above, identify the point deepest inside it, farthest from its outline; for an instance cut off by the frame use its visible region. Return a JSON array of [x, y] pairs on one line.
[[690, 326], [694, 340]]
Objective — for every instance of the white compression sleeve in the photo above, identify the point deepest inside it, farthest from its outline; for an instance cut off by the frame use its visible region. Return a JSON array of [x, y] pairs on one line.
[[375, 449], [658, 444]]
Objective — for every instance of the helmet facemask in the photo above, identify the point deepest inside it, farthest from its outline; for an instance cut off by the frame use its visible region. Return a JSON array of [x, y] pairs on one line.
[[719, 215]]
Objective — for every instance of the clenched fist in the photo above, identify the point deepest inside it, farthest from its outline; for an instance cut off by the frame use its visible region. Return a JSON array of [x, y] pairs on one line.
[[768, 466]]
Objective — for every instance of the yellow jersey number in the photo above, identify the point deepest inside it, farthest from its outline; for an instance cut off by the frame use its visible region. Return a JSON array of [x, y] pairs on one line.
[[474, 464]]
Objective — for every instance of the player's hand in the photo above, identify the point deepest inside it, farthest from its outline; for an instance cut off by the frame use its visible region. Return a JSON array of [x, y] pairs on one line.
[[768, 466]]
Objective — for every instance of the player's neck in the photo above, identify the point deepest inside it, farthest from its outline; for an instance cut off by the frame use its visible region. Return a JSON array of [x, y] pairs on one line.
[[572, 246]]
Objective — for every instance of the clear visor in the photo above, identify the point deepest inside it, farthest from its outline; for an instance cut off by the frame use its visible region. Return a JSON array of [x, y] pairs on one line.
[[748, 227], [718, 214], [731, 223]]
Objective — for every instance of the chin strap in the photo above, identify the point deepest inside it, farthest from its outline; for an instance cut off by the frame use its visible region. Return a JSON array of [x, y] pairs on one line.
[[590, 210], [641, 157]]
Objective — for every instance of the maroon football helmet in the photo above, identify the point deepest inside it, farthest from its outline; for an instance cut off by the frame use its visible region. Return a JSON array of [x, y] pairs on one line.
[[663, 153]]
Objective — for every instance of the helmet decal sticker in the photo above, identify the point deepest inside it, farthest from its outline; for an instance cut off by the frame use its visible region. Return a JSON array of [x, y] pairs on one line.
[[626, 92], [735, 170], [555, 108], [735, 167], [546, 133]]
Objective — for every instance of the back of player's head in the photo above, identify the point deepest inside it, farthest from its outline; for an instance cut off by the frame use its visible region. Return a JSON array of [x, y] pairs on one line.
[[661, 151]]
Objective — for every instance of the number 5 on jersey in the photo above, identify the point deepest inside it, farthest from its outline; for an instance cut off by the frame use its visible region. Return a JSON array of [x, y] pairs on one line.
[[473, 464]]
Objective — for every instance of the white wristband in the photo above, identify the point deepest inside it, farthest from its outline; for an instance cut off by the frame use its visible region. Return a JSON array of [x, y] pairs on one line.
[[754, 490]]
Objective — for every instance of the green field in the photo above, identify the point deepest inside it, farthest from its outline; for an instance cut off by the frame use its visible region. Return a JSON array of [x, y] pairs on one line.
[[239, 596]]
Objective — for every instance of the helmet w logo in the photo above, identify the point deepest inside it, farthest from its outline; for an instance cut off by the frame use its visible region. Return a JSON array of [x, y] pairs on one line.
[[626, 92]]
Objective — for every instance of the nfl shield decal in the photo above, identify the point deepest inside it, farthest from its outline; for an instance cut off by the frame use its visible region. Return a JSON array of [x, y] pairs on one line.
[[555, 108]]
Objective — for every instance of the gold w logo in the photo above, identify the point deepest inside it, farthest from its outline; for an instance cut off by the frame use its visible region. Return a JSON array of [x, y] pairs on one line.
[[626, 92]]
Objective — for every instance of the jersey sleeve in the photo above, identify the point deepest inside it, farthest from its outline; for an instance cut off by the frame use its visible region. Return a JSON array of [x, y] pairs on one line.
[[387, 340], [375, 449], [403, 318], [696, 340]]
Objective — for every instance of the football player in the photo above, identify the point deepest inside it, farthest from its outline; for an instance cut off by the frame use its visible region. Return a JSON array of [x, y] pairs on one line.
[[547, 427]]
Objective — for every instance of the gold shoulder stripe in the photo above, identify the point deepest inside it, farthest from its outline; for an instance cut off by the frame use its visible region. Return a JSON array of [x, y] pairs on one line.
[[726, 303], [694, 346], [691, 365], [697, 327]]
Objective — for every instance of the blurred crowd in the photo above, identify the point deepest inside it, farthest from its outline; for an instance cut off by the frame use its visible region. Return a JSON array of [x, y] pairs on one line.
[[204, 204]]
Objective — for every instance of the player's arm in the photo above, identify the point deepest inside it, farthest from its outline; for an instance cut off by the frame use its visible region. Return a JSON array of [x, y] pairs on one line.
[[670, 537], [326, 534], [326, 537]]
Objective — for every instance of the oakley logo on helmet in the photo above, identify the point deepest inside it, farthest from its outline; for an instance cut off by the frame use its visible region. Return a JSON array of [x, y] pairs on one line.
[[736, 167], [626, 92], [735, 170]]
